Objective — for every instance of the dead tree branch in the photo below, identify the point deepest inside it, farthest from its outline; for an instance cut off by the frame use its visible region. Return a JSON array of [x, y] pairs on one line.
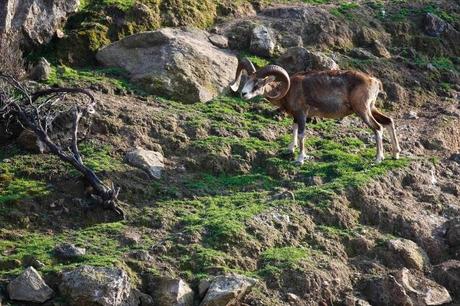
[[39, 111]]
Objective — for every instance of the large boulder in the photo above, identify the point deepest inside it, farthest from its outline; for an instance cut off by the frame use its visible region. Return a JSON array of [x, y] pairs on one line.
[[181, 64], [404, 288], [29, 287], [168, 291], [88, 285], [227, 290], [37, 20]]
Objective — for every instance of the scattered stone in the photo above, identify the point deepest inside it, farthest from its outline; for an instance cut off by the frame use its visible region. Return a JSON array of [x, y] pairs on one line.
[[219, 41], [431, 67], [227, 290], [37, 20], [453, 232], [405, 288], [29, 287], [68, 251], [262, 41], [181, 64], [434, 26], [412, 115], [448, 274], [88, 285], [41, 71], [168, 291], [150, 161], [407, 252], [396, 93], [294, 299]]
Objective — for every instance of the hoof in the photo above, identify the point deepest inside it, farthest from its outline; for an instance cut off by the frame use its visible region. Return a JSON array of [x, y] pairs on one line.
[[396, 156], [378, 160]]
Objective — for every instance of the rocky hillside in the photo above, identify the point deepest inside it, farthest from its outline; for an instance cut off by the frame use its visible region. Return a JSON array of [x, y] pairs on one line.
[[217, 212]]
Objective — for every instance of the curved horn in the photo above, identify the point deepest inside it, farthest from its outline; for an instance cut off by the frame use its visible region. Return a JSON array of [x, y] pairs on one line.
[[281, 76], [243, 64]]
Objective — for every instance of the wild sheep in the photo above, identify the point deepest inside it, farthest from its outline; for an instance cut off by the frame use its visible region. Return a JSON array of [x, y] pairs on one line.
[[324, 94]]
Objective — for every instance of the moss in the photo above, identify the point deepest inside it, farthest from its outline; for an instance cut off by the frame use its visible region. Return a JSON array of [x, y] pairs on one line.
[[198, 13]]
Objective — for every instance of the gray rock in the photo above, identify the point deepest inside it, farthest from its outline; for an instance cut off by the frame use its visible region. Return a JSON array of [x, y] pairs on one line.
[[150, 161], [405, 288], [29, 287], [448, 274], [88, 285], [354, 301], [407, 252], [68, 251], [219, 41], [37, 20], [294, 60], [41, 71], [227, 290], [433, 25], [320, 61], [180, 64], [299, 59], [29, 141], [262, 41], [168, 291]]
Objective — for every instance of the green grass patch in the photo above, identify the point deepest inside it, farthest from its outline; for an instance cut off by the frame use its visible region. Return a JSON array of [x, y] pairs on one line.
[[101, 242]]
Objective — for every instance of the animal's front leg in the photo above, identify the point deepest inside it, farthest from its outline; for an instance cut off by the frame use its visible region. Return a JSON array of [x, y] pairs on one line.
[[301, 120], [294, 143]]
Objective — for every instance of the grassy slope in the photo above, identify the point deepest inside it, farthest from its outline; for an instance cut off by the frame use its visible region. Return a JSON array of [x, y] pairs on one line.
[[202, 219]]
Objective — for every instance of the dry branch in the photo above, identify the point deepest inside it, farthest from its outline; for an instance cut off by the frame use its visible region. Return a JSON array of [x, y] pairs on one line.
[[39, 112]]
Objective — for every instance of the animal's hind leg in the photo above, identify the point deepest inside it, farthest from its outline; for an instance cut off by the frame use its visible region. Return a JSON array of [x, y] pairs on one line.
[[390, 126], [378, 131]]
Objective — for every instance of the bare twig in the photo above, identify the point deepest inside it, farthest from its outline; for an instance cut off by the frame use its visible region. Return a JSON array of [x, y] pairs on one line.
[[32, 110]]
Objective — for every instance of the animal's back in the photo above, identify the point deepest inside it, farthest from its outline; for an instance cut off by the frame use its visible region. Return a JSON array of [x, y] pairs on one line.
[[327, 93]]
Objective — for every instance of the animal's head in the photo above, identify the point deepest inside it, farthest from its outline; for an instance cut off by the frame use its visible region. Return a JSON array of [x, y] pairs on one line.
[[261, 82]]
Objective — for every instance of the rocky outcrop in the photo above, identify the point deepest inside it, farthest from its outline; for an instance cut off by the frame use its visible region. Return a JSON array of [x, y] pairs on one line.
[[299, 59], [262, 41], [180, 64], [291, 26], [404, 288], [88, 285], [29, 287], [150, 161], [37, 20], [227, 290]]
